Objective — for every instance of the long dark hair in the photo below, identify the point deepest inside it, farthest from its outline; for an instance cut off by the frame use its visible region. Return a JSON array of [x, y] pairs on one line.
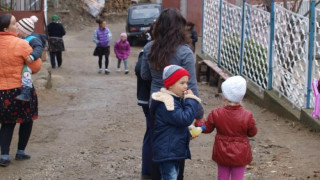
[[5, 20], [100, 21], [169, 32]]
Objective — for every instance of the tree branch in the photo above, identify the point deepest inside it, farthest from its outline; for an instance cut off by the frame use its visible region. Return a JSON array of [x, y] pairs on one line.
[[307, 13]]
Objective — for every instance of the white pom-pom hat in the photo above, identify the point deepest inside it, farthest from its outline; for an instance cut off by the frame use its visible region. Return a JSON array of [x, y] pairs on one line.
[[234, 88], [26, 25]]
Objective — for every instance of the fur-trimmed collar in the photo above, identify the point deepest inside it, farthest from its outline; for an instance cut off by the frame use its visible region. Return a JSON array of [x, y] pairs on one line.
[[166, 97]]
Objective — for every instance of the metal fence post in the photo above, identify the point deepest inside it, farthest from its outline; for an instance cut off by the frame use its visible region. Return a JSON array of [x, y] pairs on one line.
[[220, 24], [203, 11], [311, 50], [270, 71], [242, 36]]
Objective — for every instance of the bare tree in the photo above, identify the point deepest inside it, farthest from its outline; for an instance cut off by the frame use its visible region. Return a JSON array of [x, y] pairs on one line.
[[295, 5]]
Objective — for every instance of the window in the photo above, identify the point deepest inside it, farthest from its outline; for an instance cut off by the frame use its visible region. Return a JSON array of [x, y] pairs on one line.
[[145, 13]]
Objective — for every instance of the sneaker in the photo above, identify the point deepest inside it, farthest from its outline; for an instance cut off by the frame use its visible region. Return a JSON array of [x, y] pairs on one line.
[[126, 71], [25, 94], [118, 70], [106, 71], [100, 71], [4, 162], [20, 157]]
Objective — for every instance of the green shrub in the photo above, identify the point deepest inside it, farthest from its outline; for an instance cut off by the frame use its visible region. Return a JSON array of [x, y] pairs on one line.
[[254, 59]]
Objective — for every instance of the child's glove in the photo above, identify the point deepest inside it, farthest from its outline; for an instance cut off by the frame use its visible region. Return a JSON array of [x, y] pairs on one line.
[[200, 122], [30, 59]]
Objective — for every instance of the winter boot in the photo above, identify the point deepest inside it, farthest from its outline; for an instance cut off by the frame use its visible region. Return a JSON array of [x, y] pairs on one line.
[[25, 94]]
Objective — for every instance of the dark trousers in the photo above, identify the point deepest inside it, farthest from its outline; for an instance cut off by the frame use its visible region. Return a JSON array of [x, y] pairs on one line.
[[53, 56], [6, 133], [106, 62], [146, 147]]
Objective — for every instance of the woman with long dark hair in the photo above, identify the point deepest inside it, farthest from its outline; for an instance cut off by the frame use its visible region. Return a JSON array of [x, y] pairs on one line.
[[13, 55], [171, 45]]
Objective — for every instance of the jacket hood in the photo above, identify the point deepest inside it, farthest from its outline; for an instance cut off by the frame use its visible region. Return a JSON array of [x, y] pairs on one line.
[[167, 97]]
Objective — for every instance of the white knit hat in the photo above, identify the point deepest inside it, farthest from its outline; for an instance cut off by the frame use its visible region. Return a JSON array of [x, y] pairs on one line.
[[234, 88], [26, 25]]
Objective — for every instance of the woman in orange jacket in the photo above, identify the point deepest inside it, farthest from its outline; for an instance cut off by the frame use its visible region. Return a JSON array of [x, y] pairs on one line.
[[13, 54]]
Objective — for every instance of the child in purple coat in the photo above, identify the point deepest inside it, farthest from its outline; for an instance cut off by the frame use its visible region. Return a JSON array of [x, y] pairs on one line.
[[122, 51]]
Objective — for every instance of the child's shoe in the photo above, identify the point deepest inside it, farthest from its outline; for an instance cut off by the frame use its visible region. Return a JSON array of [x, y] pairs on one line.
[[126, 71], [100, 71], [118, 70], [25, 94], [106, 71], [20, 157], [4, 162]]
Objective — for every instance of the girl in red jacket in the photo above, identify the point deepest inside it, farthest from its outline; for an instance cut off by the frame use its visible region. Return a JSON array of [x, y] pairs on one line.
[[234, 124]]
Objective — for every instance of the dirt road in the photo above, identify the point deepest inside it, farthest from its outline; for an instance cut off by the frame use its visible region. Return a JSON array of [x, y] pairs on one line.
[[90, 127]]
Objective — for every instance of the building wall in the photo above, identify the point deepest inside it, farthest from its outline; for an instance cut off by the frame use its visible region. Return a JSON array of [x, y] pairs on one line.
[[20, 13], [194, 9], [171, 4]]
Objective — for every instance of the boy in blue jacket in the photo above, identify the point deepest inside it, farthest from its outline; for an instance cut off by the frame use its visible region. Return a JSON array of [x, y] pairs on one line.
[[25, 29], [173, 109]]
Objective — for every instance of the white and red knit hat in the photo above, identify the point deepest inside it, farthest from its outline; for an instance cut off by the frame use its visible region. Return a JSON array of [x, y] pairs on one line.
[[172, 73], [26, 25]]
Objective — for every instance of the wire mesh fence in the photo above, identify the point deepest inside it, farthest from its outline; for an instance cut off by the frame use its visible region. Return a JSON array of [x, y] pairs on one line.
[[256, 49], [211, 28], [230, 37], [230, 30], [290, 55]]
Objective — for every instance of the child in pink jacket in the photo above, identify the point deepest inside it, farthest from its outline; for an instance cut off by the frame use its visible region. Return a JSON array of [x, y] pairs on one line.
[[122, 51], [316, 91]]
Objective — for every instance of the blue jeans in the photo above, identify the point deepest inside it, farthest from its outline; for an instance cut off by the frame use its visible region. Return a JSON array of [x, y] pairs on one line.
[[169, 170], [146, 148], [125, 62]]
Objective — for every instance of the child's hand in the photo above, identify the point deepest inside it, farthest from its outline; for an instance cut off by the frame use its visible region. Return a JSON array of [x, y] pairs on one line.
[[200, 122], [189, 92], [29, 59], [190, 128]]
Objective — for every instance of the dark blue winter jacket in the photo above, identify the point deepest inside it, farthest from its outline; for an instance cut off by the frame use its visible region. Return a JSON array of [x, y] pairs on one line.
[[183, 57], [36, 45], [171, 117]]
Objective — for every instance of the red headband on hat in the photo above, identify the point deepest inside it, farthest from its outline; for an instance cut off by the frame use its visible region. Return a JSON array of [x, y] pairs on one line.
[[175, 77]]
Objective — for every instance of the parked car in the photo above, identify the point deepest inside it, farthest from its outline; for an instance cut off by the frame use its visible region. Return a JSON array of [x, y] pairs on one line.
[[140, 17], [135, 1]]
